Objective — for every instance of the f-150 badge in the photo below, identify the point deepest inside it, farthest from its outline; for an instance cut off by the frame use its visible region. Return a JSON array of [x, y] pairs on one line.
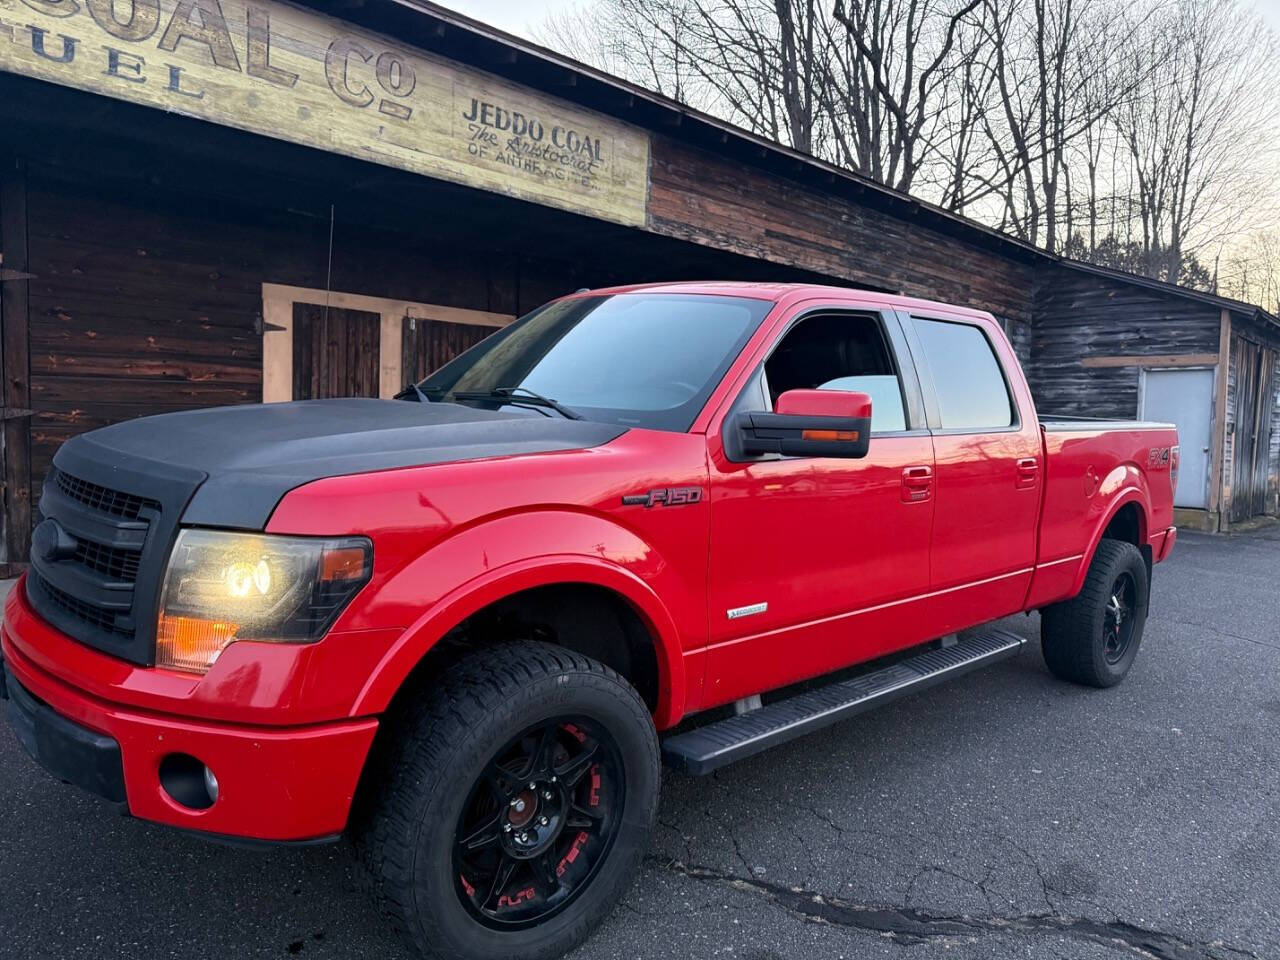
[[665, 496]]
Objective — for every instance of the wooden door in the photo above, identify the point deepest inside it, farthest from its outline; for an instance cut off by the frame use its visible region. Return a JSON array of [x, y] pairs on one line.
[[335, 352], [1251, 443], [429, 344], [1264, 428]]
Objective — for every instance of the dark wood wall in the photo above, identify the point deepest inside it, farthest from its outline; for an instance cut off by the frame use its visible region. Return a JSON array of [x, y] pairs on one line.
[[150, 237], [710, 200], [1079, 315], [149, 300]]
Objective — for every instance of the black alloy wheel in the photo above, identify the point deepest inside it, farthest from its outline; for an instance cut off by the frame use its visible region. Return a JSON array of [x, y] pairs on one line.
[[1119, 619], [508, 804], [539, 823], [1093, 638]]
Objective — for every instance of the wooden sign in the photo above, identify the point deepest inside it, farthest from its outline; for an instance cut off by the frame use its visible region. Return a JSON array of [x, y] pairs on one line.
[[285, 72]]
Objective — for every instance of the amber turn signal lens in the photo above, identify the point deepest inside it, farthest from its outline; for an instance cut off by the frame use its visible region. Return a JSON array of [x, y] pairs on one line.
[[842, 436], [345, 563], [187, 643]]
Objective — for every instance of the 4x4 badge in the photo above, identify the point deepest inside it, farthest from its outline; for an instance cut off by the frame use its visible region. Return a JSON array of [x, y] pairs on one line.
[[667, 496]]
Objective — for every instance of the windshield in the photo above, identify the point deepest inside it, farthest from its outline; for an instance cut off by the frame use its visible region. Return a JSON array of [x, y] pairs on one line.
[[639, 359]]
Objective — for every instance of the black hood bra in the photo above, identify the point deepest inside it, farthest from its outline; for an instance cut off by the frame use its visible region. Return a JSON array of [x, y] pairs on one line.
[[238, 462]]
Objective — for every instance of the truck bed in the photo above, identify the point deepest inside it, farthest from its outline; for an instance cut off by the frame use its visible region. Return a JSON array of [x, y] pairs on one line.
[[1094, 470]]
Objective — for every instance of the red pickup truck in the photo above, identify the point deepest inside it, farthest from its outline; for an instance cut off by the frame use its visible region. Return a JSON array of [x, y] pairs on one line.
[[465, 626]]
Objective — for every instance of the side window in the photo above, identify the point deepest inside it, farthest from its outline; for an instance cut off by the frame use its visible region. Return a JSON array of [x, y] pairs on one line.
[[839, 352], [972, 393]]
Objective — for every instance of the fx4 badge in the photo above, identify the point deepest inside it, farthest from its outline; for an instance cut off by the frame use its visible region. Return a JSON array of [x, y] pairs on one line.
[[1158, 458], [666, 496]]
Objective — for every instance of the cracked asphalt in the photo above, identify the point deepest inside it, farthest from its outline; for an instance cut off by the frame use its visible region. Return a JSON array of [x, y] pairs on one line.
[[1004, 815]]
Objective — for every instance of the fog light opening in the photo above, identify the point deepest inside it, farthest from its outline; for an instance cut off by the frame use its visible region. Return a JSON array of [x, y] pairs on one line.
[[188, 782], [211, 785]]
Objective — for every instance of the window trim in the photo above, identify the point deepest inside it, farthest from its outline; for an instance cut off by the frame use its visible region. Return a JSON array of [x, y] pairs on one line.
[[933, 408]]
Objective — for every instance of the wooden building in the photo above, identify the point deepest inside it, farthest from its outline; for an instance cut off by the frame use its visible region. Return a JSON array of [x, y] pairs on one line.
[[230, 201]]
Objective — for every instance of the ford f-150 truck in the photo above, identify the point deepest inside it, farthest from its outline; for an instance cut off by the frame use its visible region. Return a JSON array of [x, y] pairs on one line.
[[465, 626]]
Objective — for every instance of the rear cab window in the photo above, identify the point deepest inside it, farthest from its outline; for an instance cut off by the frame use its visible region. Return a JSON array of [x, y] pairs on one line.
[[972, 391]]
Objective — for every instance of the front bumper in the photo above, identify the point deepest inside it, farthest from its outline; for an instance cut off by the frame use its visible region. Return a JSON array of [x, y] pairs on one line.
[[72, 753], [284, 784]]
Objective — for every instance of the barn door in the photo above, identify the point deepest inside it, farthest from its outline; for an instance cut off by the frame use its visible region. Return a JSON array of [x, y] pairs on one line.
[[330, 343], [15, 370], [1265, 427], [427, 345], [1255, 386], [335, 352]]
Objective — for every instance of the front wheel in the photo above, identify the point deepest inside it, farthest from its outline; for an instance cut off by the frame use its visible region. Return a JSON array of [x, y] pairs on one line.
[[1093, 638], [510, 814]]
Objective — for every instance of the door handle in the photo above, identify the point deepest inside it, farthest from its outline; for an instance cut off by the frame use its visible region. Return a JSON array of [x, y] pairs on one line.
[[1028, 471], [917, 484]]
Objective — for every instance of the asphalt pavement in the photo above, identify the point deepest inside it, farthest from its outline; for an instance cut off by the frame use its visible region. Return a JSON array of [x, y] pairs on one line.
[[1003, 815]]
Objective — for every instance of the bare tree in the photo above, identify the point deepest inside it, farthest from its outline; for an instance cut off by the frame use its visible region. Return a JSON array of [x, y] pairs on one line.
[[1056, 75], [1132, 132], [902, 46], [759, 63], [1198, 137], [652, 52]]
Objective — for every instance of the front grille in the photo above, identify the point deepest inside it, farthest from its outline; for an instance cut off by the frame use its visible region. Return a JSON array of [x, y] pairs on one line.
[[92, 614], [117, 563], [98, 554], [102, 498]]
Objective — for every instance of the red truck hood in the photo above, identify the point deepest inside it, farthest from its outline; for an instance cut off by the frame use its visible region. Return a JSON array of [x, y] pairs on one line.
[[232, 465]]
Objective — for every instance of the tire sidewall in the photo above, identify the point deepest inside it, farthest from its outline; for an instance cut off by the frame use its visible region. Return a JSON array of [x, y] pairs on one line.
[[1131, 562], [444, 922]]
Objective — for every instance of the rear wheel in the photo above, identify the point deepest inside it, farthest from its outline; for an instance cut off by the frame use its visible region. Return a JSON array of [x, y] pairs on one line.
[[509, 816], [1093, 638]]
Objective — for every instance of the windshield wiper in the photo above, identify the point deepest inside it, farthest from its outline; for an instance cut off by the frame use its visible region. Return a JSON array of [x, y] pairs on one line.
[[414, 391], [519, 395]]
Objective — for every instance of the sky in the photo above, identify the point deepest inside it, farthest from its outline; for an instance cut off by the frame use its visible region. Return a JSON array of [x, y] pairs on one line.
[[1271, 10], [518, 16]]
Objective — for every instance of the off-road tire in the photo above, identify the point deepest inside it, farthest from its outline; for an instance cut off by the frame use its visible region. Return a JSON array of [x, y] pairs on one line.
[[1074, 634], [415, 791]]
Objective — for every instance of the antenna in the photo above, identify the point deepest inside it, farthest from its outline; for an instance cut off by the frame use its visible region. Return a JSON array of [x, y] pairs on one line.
[[328, 277]]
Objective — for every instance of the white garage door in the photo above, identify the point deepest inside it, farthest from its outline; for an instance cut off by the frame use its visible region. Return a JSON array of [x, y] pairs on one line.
[[1184, 397]]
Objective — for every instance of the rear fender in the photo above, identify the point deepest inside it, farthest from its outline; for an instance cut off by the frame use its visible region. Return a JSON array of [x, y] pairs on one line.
[[1124, 485], [496, 558]]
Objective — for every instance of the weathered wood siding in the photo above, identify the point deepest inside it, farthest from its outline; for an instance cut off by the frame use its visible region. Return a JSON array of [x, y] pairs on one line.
[[1229, 428], [1245, 334], [1019, 334], [1273, 493], [698, 196], [147, 302], [1079, 315]]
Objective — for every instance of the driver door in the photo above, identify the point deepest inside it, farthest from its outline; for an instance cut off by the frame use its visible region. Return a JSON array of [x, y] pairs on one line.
[[816, 562]]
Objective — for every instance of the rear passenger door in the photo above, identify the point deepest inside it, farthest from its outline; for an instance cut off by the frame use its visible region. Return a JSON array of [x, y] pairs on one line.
[[988, 464]]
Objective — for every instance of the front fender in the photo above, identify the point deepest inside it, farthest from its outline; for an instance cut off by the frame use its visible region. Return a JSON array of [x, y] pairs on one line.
[[498, 557]]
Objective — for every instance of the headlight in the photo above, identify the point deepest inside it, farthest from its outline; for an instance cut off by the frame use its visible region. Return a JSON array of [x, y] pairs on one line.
[[223, 586]]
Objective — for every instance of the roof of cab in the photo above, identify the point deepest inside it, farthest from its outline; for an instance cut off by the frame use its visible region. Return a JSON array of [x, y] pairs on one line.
[[791, 292]]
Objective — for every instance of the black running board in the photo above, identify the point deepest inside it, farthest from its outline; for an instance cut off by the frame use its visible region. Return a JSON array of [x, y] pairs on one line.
[[704, 749]]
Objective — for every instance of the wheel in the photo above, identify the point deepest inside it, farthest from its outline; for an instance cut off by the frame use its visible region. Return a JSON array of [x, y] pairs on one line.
[[1093, 638], [508, 815]]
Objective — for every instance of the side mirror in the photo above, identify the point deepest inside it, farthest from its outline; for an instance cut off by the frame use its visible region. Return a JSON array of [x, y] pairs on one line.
[[810, 423]]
